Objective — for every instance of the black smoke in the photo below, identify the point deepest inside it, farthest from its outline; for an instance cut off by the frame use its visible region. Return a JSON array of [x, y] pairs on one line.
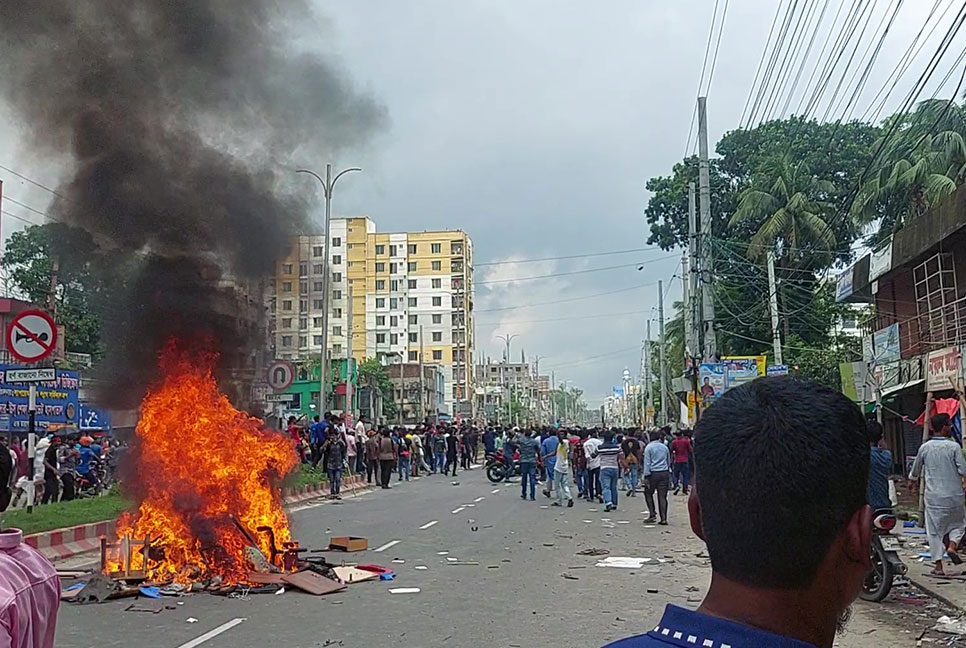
[[181, 122]]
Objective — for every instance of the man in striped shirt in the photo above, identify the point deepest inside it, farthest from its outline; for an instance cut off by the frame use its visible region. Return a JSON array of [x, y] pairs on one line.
[[611, 463]]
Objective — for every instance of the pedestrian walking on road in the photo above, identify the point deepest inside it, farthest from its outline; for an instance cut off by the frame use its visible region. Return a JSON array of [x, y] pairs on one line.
[[633, 456], [316, 439], [335, 449], [611, 462], [548, 449], [529, 447], [780, 470], [579, 462], [657, 477], [405, 454], [439, 451], [387, 453], [372, 457], [561, 470], [452, 447], [360, 433], [681, 453], [942, 459], [593, 467]]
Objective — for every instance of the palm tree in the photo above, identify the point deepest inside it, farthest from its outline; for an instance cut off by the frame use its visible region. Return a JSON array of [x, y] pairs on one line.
[[788, 209]]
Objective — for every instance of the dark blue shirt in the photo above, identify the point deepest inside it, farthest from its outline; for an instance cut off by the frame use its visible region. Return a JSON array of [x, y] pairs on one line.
[[549, 447], [687, 629], [880, 465], [317, 432]]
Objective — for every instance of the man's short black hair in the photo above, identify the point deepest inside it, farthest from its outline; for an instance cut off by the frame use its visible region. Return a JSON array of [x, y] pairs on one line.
[[873, 430], [938, 422], [781, 466]]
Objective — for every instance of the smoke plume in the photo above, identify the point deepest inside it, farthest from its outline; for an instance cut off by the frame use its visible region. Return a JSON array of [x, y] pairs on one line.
[[183, 121]]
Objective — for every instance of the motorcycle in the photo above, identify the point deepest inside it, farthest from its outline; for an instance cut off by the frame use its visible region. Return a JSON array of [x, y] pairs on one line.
[[497, 467], [886, 564], [86, 487]]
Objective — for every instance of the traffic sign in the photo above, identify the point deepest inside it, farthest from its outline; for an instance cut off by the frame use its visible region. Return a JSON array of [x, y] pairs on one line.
[[280, 374], [31, 336], [45, 374]]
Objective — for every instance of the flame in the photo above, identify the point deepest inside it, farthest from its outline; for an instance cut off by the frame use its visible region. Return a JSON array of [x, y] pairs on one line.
[[199, 463]]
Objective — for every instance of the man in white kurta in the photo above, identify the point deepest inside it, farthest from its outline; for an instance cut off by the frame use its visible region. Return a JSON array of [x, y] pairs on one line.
[[940, 461]]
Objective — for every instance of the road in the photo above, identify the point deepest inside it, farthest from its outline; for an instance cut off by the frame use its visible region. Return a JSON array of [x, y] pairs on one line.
[[516, 596]]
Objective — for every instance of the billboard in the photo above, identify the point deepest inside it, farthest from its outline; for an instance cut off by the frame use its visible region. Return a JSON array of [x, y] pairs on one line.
[[57, 403], [712, 377], [742, 369], [885, 344]]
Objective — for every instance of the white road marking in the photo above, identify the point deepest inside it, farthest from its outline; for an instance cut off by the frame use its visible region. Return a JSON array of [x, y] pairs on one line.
[[479, 499], [388, 545], [211, 634], [429, 524], [458, 510], [494, 491]]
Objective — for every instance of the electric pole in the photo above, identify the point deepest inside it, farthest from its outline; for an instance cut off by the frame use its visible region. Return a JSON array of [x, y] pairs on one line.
[[422, 373], [660, 314], [348, 358], [776, 338], [707, 262], [648, 374], [686, 298]]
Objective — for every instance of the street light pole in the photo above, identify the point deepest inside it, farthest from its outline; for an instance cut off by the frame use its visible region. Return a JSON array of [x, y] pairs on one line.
[[328, 184], [507, 338]]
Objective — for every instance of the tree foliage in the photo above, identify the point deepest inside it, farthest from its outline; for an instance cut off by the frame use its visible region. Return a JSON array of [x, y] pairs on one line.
[[373, 373]]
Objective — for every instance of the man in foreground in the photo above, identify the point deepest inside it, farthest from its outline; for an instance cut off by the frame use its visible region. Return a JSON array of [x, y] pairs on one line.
[[787, 558], [657, 477], [942, 459]]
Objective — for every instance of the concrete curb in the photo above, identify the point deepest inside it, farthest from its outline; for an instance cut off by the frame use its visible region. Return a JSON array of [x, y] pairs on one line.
[[70, 541], [934, 592]]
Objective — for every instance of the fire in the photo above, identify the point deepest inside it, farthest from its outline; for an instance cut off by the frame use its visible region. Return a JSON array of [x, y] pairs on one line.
[[201, 462]]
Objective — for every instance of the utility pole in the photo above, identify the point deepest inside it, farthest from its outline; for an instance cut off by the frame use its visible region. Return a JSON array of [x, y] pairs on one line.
[[348, 356], [647, 371], [776, 338], [694, 267], [328, 184], [707, 262], [553, 398], [422, 373], [688, 314], [660, 314]]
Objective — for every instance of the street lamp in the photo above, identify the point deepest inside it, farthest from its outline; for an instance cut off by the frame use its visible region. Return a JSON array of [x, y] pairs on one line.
[[507, 338], [328, 184]]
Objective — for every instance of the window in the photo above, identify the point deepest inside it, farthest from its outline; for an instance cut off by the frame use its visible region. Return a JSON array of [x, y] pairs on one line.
[[411, 266], [414, 356], [286, 340], [394, 285], [316, 322], [412, 302], [286, 322], [317, 304], [437, 301], [437, 283], [336, 241], [337, 259], [303, 341], [414, 319], [337, 313], [317, 286], [437, 319], [392, 250], [380, 267], [337, 277], [317, 251], [303, 323], [412, 284], [380, 320], [336, 294], [380, 338], [286, 286], [286, 304], [393, 303], [413, 337], [336, 348], [412, 248], [437, 355], [393, 338], [303, 286], [437, 265], [380, 302], [393, 268], [287, 268], [380, 284], [303, 268], [437, 336], [436, 248], [316, 268], [456, 247], [317, 340], [393, 320], [380, 249], [336, 330], [303, 305]]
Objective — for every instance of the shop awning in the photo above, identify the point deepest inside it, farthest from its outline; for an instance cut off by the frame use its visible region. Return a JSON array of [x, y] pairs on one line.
[[898, 388]]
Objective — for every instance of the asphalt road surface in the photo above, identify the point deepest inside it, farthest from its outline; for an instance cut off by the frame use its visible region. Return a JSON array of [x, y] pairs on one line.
[[517, 594]]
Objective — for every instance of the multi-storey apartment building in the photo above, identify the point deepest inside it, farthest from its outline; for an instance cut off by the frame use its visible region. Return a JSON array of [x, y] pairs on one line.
[[411, 294]]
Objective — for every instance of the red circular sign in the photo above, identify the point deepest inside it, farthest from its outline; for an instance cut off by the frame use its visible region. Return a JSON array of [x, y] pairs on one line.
[[31, 336], [280, 375]]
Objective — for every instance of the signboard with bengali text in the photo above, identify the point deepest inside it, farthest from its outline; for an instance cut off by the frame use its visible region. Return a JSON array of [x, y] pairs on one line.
[[57, 401], [943, 368]]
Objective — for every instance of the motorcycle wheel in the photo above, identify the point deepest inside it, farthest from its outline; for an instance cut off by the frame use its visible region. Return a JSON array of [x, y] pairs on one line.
[[495, 473], [878, 582]]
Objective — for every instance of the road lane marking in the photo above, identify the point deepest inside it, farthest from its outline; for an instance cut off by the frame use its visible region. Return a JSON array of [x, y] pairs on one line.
[[388, 545], [211, 634], [479, 499], [458, 510], [429, 524]]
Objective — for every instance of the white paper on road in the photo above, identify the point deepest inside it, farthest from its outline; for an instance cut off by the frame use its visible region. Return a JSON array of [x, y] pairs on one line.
[[404, 590], [623, 562]]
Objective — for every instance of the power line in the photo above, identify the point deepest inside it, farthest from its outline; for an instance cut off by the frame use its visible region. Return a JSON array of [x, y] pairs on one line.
[[573, 272], [567, 300], [559, 319], [25, 206], [30, 180], [560, 258]]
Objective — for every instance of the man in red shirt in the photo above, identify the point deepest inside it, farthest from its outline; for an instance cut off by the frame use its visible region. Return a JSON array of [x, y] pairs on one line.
[[681, 454]]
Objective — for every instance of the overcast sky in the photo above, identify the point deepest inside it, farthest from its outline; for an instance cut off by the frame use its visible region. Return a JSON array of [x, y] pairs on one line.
[[533, 126]]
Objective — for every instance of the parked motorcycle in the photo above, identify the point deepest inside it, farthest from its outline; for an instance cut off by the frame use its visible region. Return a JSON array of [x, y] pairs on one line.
[[886, 564], [498, 465]]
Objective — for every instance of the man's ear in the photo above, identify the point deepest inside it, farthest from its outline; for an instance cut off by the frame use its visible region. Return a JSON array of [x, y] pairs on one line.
[[694, 513], [857, 537]]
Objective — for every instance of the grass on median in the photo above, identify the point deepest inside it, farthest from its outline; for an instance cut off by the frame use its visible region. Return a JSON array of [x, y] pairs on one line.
[[47, 517], [304, 475]]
